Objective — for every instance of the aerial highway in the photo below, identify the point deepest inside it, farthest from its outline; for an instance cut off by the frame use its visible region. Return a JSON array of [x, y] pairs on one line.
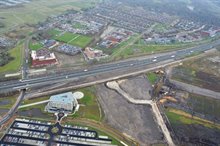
[[105, 68]]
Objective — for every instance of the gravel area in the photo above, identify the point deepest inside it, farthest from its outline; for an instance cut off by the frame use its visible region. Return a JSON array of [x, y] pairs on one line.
[[137, 87]]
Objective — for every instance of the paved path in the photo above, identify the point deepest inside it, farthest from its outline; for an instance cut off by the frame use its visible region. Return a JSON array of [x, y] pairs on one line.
[[195, 89], [32, 104], [114, 85]]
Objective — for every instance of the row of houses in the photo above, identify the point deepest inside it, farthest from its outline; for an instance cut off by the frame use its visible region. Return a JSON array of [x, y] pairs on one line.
[[115, 37]]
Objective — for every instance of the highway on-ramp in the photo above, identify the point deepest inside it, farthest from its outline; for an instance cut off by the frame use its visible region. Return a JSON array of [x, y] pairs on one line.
[[11, 112]]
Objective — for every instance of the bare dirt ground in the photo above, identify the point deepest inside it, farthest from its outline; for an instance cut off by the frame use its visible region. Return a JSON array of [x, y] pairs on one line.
[[203, 72], [68, 60], [137, 87], [134, 120], [196, 135]]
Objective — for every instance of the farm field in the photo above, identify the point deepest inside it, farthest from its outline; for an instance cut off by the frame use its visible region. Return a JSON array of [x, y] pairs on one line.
[[15, 64], [38, 11]]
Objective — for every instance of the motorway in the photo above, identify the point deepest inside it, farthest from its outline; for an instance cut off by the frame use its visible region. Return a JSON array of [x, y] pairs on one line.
[[105, 68]]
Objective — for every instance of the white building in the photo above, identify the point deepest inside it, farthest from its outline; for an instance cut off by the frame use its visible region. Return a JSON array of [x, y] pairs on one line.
[[65, 102]]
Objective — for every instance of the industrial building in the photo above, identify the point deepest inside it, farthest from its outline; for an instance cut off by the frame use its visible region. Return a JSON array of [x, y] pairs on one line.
[[43, 57], [65, 102]]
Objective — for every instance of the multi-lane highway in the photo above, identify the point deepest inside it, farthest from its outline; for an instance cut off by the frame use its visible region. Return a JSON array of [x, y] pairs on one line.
[[106, 68]]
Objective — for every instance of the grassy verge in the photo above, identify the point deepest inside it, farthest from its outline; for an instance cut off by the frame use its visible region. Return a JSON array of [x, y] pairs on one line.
[[101, 132], [140, 48], [90, 107], [29, 101], [15, 64], [152, 77], [180, 117], [204, 105], [11, 100]]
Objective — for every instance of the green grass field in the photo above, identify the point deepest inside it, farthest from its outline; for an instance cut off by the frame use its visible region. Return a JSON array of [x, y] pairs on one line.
[[90, 108], [38, 10], [35, 46], [15, 64], [74, 39], [54, 33], [67, 37], [152, 77], [81, 41], [181, 117]]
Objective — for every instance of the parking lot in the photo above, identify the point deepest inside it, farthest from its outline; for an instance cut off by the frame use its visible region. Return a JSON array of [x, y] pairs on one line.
[[32, 132]]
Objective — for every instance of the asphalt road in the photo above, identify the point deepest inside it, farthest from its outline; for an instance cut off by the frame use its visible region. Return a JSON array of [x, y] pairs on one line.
[[195, 89], [13, 109], [26, 54], [106, 68]]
